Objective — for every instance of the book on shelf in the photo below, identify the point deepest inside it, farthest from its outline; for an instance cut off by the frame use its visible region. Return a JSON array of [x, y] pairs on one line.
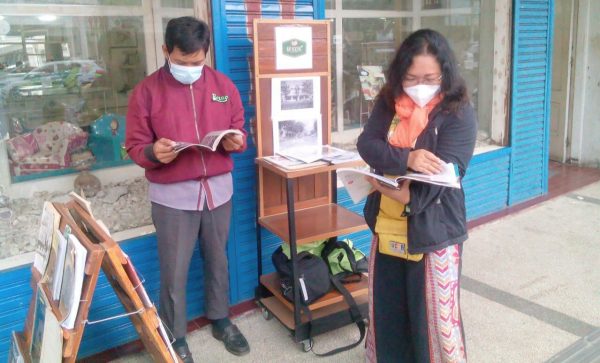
[[49, 222], [210, 141], [325, 154], [48, 276], [46, 336], [167, 340], [56, 278], [72, 281], [311, 154], [84, 203], [291, 164], [358, 186], [15, 353], [136, 282]]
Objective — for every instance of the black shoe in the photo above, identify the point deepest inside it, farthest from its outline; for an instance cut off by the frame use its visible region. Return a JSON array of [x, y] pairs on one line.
[[184, 353], [233, 339]]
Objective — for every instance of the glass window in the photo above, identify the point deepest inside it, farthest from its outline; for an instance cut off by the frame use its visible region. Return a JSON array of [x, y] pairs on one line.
[[74, 2], [64, 89], [377, 4], [369, 38], [369, 42], [65, 77], [177, 3]]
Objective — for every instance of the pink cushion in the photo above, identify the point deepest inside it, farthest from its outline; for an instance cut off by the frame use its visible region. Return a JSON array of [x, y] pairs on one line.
[[22, 146], [53, 136]]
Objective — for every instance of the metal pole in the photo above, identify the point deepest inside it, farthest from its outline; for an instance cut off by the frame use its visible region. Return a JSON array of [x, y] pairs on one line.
[[293, 251]]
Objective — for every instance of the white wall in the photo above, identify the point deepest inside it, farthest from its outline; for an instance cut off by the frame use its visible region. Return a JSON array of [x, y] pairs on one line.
[[585, 146]]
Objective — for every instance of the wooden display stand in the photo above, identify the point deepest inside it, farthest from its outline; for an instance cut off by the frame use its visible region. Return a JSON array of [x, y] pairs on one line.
[[102, 252], [299, 206]]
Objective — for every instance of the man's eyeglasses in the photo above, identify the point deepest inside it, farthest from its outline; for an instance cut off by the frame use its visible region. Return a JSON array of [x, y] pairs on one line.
[[413, 81]]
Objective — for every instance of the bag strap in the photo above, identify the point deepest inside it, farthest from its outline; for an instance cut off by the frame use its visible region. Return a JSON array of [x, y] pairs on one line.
[[355, 315], [332, 245]]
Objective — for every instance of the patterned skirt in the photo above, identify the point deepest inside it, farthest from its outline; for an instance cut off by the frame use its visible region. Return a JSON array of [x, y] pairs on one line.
[[414, 312]]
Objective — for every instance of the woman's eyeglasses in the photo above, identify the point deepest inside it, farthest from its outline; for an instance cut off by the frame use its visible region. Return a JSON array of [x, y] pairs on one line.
[[413, 81]]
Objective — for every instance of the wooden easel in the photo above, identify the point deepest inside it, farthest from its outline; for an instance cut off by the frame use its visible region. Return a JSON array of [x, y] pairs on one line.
[[105, 253]]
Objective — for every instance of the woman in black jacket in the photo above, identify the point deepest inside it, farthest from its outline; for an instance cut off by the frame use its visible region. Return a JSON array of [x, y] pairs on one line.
[[422, 119]]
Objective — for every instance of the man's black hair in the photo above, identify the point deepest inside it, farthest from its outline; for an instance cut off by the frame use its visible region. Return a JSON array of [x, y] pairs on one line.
[[188, 34]]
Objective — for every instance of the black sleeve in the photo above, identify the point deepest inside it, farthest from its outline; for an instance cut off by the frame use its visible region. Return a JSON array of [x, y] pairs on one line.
[[455, 144], [372, 143]]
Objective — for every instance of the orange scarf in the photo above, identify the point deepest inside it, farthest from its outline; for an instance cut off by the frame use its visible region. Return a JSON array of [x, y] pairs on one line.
[[413, 120]]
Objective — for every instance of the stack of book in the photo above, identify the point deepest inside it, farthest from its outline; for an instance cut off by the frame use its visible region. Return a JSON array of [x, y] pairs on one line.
[[299, 158]]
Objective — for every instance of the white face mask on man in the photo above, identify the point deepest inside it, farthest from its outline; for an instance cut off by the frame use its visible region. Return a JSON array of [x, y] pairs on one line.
[[185, 74], [421, 94]]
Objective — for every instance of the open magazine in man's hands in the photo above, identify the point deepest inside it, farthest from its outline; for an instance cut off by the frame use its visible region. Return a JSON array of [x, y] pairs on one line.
[[210, 141], [358, 186]]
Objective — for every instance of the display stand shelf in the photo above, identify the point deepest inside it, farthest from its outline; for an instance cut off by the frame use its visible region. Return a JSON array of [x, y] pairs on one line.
[[299, 205], [356, 289], [102, 253], [316, 223]]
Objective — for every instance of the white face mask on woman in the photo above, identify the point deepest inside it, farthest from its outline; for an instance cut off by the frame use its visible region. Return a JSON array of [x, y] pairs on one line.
[[185, 74], [421, 94]]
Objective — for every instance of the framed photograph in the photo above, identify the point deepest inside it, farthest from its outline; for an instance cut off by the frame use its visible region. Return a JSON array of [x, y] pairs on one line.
[[291, 135], [293, 47], [295, 96]]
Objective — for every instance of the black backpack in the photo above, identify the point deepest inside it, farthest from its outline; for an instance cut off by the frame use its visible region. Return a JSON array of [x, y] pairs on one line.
[[315, 281], [335, 251], [313, 276]]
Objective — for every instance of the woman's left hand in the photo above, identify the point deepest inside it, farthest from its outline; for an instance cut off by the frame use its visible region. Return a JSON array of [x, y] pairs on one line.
[[400, 194]]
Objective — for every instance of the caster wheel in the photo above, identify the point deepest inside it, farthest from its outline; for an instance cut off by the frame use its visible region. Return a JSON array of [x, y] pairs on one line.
[[307, 345], [266, 314]]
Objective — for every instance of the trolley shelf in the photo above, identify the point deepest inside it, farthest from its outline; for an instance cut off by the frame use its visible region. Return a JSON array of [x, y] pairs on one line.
[[356, 289], [315, 223], [286, 316]]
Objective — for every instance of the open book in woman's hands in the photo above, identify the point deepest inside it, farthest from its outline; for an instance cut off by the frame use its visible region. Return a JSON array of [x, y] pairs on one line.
[[210, 141], [358, 186]]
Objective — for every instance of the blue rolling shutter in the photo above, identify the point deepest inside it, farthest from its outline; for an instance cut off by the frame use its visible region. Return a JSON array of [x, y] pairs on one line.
[[530, 100], [233, 55]]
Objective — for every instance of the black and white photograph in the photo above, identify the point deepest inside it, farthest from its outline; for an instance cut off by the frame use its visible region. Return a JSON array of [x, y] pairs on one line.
[[292, 134], [295, 96]]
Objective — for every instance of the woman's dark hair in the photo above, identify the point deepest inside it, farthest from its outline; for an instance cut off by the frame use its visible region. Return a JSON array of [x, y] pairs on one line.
[[426, 42], [188, 34]]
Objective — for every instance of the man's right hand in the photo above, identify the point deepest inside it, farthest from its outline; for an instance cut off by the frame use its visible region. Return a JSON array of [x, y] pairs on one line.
[[163, 150], [425, 162]]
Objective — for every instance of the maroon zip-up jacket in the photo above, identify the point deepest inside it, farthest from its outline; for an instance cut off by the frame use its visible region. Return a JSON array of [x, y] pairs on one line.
[[160, 106]]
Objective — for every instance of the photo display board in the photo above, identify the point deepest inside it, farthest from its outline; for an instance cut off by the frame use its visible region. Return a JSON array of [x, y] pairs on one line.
[[292, 87]]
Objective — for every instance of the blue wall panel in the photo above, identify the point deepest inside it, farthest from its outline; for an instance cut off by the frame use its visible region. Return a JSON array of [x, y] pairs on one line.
[[233, 55], [530, 99], [15, 294], [486, 183]]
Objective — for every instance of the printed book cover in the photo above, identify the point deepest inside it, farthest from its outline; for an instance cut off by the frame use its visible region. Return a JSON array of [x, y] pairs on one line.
[[358, 186], [210, 141]]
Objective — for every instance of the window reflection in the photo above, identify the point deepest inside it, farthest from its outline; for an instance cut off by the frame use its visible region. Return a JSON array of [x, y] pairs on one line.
[[367, 43], [64, 85], [369, 39], [377, 4], [188, 4]]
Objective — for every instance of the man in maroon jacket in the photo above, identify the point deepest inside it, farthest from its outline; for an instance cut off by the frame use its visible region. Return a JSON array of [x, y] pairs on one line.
[[190, 190]]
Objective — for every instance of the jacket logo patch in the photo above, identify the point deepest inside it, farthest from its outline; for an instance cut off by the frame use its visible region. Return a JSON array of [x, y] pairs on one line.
[[221, 99]]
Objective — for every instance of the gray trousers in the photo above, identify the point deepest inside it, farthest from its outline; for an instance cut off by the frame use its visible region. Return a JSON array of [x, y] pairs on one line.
[[177, 232]]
